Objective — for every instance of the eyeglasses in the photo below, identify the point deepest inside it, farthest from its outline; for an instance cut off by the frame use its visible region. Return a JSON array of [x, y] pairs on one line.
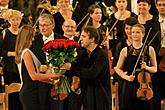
[[67, 26], [44, 25]]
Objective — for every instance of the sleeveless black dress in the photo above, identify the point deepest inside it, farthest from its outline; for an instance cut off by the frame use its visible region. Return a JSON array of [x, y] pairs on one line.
[[129, 100], [29, 95]]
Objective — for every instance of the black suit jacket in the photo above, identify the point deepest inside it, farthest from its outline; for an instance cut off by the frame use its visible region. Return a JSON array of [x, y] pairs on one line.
[[44, 88]]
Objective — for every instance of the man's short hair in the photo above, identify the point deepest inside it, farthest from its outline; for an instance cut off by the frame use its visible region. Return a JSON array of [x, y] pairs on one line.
[[92, 32], [47, 16]]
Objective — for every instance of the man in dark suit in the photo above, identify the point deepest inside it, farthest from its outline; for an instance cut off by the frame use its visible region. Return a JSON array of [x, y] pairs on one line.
[[46, 26], [158, 81]]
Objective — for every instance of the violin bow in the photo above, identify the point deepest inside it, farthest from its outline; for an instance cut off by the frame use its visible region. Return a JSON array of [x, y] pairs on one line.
[[38, 18], [153, 37], [75, 6], [134, 69], [109, 31]]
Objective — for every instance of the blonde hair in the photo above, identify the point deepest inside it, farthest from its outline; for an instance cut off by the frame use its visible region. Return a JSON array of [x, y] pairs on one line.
[[141, 27], [15, 13], [23, 41]]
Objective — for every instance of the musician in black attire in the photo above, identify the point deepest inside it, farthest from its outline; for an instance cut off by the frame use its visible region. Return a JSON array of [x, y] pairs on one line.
[[94, 76], [149, 21], [116, 22], [65, 12], [125, 69], [128, 23], [158, 79]]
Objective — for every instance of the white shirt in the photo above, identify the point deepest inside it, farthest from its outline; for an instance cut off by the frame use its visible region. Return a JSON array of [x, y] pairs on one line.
[[47, 39], [70, 38], [3, 7], [134, 6], [162, 26]]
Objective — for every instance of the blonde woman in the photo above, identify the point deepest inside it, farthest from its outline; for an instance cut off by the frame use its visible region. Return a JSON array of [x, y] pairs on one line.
[[124, 68], [10, 70]]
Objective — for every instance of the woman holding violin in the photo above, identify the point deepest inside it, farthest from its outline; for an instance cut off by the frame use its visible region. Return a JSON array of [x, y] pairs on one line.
[[132, 81]]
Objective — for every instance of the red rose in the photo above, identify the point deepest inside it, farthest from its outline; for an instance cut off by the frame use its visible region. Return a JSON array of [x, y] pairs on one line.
[[65, 45]]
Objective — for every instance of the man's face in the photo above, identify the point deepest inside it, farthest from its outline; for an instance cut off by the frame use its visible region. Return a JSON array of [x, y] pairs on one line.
[[161, 7], [4, 2], [69, 28], [85, 40], [46, 27]]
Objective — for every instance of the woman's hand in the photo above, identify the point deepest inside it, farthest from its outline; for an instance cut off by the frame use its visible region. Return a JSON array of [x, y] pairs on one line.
[[143, 65], [130, 78], [66, 66], [43, 68]]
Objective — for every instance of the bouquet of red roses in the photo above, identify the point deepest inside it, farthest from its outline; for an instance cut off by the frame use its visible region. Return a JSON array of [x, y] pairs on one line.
[[58, 52]]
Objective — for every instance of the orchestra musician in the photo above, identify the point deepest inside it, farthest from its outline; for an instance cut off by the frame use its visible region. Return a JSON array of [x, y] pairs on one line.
[[118, 17], [10, 70], [95, 17], [124, 68], [65, 12], [159, 82]]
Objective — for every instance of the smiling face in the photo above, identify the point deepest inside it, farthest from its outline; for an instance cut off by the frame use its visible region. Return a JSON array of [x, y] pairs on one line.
[[143, 7], [4, 2], [69, 27], [46, 26], [63, 4], [14, 18], [137, 33], [128, 30]]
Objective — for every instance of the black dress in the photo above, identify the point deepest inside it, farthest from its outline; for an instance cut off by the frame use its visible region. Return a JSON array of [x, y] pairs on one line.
[[29, 94], [117, 32], [10, 70], [153, 24], [129, 98]]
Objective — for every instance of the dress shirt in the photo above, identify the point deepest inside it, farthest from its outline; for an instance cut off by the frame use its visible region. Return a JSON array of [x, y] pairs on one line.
[[3, 7], [70, 38], [162, 26], [47, 39], [134, 6]]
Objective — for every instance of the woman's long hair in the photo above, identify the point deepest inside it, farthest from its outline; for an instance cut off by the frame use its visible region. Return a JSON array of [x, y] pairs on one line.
[[23, 41]]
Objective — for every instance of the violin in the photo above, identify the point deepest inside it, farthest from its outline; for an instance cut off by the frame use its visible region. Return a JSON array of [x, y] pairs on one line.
[[162, 61], [144, 91]]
